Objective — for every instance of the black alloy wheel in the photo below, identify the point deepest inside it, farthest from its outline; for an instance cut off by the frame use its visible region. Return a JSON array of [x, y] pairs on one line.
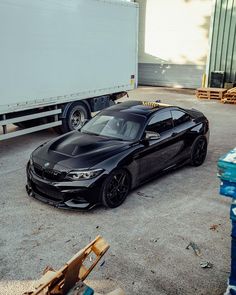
[[115, 188], [199, 151]]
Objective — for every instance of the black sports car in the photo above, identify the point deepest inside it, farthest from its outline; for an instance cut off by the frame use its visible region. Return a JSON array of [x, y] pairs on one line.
[[117, 150]]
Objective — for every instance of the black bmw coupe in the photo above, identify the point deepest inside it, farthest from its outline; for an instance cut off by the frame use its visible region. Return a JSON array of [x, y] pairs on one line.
[[117, 150]]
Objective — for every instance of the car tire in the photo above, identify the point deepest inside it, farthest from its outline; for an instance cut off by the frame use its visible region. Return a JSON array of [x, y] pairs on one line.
[[75, 117], [199, 151], [115, 188]]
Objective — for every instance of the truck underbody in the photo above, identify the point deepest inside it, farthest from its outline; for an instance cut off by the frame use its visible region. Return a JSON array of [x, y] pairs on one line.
[[63, 117]]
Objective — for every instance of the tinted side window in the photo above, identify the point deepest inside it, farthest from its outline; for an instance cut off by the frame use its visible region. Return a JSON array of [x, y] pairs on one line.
[[180, 117], [160, 122]]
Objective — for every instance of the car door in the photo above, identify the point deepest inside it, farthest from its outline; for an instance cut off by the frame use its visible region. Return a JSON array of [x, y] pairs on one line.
[[181, 133], [155, 155]]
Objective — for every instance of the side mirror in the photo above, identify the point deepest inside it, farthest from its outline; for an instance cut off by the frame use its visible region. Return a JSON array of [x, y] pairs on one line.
[[150, 135]]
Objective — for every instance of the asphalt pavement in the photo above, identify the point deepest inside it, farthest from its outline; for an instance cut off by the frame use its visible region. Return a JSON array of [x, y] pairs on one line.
[[148, 234]]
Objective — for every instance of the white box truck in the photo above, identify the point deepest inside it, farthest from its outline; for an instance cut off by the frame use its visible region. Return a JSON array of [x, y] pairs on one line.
[[61, 60]]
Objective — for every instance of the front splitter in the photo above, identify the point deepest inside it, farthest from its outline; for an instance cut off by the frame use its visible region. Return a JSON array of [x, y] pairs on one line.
[[68, 205]]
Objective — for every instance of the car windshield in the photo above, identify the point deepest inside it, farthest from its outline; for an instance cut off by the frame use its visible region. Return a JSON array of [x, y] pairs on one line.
[[122, 126]]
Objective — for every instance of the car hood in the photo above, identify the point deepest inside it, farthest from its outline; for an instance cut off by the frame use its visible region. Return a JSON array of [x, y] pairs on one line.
[[78, 150]]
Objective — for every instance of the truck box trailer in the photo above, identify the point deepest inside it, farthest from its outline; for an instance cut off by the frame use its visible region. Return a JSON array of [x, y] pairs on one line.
[[61, 60]]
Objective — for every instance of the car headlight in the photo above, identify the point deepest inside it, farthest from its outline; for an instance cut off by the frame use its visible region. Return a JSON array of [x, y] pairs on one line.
[[83, 174]]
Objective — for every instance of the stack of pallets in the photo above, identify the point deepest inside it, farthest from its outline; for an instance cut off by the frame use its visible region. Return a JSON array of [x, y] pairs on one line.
[[211, 93], [230, 96]]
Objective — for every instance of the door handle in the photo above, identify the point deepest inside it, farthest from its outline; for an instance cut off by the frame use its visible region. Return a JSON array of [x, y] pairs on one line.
[[174, 134]]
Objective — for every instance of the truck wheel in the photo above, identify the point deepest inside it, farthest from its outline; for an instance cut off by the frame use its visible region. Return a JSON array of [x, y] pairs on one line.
[[75, 117]]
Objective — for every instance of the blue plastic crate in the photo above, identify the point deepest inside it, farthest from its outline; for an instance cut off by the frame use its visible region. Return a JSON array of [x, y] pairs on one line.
[[233, 215], [232, 278], [228, 188], [88, 291], [227, 166], [233, 249], [233, 230]]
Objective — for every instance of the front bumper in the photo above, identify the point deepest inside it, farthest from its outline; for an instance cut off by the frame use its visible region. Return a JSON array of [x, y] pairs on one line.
[[82, 195]]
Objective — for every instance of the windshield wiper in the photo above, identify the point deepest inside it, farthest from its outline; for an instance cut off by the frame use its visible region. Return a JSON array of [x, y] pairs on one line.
[[112, 138]]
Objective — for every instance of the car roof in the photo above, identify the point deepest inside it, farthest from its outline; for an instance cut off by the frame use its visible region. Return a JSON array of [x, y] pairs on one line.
[[145, 108]]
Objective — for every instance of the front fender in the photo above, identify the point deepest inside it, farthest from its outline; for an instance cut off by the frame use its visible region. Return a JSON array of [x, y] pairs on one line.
[[124, 159]]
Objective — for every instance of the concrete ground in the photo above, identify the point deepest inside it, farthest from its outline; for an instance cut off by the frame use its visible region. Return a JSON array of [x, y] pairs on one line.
[[148, 234]]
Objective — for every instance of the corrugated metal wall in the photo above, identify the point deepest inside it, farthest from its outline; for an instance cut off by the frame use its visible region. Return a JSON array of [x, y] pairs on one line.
[[223, 48], [170, 75]]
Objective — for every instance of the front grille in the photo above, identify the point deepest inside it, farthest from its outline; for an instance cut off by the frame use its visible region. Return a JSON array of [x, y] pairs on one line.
[[38, 170], [48, 193], [52, 174], [49, 174]]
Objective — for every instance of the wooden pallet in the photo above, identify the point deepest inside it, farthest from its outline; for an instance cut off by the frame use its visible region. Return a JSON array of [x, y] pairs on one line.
[[229, 99], [232, 90], [75, 271], [211, 93], [230, 96]]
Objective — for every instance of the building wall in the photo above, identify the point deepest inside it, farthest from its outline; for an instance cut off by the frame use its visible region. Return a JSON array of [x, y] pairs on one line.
[[173, 42], [223, 31]]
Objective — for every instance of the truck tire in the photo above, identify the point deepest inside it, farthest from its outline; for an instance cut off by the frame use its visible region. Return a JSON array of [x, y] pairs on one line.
[[75, 116]]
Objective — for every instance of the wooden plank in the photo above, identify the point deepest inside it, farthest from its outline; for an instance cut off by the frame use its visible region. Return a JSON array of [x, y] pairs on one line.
[[230, 95], [229, 100], [212, 89], [232, 90], [59, 282], [71, 276]]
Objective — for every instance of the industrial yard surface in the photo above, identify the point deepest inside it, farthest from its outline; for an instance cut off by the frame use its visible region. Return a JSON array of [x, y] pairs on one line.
[[148, 234]]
